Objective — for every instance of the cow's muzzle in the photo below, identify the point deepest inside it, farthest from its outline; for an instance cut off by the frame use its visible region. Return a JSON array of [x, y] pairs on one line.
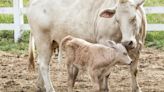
[[129, 45]]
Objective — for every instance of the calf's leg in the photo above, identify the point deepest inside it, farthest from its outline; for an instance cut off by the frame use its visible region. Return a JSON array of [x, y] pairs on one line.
[[95, 82], [104, 84], [72, 74]]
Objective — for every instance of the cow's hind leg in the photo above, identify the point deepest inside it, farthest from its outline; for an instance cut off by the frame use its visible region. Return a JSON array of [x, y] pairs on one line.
[[134, 70], [44, 50]]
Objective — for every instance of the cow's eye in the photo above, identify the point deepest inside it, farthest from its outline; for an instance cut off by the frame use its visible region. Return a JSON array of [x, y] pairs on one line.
[[117, 20], [133, 19], [125, 53]]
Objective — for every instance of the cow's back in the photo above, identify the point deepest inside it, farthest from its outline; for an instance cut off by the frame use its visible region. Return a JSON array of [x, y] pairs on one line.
[[66, 17]]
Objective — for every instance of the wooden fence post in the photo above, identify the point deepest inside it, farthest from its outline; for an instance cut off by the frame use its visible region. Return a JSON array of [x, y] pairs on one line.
[[18, 19]]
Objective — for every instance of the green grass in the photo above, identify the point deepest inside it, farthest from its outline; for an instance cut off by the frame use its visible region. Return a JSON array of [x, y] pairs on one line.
[[155, 39], [9, 3], [155, 18], [25, 2], [6, 3], [25, 19], [6, 18], [154, 3], [7, 42]]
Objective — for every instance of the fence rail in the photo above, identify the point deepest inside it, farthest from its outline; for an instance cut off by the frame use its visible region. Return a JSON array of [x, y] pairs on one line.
[[18, 11]]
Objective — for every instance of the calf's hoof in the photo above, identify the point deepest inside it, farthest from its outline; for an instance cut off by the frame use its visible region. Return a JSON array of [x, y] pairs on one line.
[[105, 90], [70, 90]]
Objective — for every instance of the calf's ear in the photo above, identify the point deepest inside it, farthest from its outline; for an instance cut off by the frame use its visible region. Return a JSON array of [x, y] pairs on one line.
[[111, 44], [108, 13]]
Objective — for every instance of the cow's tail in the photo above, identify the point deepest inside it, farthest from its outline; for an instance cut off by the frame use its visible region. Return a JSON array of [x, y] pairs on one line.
[[62, 46], [143, 26], [31, 65]]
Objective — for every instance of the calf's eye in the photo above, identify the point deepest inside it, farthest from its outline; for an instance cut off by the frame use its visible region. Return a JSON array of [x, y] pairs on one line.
[[125, 54]]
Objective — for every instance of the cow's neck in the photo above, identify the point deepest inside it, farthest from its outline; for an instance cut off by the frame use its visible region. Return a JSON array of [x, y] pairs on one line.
[[95, 9]]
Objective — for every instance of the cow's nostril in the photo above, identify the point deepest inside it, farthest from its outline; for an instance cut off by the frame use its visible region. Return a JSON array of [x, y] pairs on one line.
[[130, 43], [130, 63]]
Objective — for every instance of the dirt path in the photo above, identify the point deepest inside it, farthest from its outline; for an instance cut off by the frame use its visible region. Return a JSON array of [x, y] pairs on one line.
[[14, 76]]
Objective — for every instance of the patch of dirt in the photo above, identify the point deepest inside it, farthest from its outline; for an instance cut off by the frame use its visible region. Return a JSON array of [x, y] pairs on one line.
[[14, 75]]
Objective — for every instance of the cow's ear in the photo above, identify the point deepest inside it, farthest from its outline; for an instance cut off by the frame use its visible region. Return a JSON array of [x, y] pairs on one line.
[[139, 3], [108, 13]]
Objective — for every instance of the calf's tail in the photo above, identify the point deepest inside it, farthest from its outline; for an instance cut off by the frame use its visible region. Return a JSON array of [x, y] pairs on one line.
[[62, 46]]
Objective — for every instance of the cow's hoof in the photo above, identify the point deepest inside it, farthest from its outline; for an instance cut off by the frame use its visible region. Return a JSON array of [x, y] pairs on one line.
[[139, 90], [52, 90], [38, 89]]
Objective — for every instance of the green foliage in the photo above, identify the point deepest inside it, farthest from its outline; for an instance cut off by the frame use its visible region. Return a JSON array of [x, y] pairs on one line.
[[7, 42]]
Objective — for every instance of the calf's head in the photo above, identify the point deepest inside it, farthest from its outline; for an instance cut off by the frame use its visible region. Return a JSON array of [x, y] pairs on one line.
[[121, 54], [125, 15]]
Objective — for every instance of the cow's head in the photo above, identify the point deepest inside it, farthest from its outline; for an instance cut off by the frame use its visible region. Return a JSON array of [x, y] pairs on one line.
[[125, 14]]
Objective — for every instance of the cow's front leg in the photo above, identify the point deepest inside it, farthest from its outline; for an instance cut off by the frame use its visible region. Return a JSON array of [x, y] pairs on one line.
[[40, 83], [134, 70], [43, 62]]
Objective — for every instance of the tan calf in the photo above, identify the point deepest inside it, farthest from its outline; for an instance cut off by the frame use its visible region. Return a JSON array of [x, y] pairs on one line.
[[97, 58]]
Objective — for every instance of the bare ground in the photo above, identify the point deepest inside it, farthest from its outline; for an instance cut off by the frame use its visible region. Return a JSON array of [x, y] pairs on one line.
[[14, 76]]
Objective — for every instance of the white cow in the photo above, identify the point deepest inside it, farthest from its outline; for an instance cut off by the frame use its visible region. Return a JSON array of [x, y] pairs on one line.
[[91, 20]]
